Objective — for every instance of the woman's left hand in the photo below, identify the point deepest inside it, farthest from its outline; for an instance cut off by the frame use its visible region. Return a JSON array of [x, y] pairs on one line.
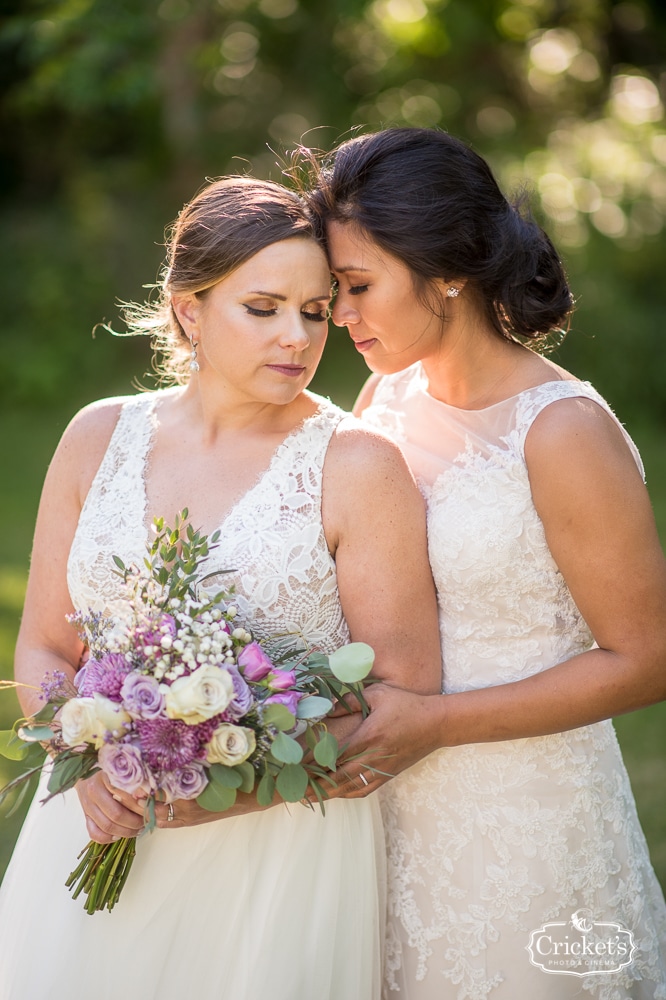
[[402, 728]]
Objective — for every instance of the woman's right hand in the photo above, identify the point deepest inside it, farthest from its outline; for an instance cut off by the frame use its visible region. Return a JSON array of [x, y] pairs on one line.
[[109, 813]]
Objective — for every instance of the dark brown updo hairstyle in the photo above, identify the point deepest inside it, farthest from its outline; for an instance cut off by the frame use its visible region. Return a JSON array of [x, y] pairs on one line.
[[431, 201], [226, 223]]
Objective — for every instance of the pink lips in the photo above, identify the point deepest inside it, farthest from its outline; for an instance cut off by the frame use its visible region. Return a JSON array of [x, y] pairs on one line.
[[365, 345], [290, 370]]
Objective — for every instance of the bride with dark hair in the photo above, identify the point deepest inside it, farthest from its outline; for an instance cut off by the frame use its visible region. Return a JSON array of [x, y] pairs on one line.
[[513, 809], [323, 529]]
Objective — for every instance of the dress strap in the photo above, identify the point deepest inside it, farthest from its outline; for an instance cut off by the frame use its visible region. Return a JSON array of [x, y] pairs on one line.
[[531, 402]]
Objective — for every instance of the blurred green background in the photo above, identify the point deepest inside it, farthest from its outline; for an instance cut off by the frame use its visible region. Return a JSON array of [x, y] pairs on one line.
[[112, 113]]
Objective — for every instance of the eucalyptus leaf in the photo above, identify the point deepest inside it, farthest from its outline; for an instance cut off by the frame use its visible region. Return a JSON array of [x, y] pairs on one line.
[[279, 716], [247, 775], [292, 782], [311, 737], [35, 734], [228, 777], [216, 798], [352, 662], [286, 750], [266, 790], [326, 751], [12, 747], [313, 707]]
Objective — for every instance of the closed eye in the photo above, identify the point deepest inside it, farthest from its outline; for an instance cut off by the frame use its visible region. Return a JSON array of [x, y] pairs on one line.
[[357, 289], [253, 311], [315, 317]]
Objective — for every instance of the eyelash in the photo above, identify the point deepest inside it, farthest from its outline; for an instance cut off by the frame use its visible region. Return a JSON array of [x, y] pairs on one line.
[[357, 289], [260, 312], [312, 317]]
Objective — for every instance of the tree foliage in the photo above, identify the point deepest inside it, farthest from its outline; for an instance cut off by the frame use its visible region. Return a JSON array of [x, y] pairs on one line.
[[114, 111]]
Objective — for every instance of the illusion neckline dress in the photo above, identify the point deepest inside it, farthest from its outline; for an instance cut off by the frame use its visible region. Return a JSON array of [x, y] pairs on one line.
[[283, 903], [488, 842]]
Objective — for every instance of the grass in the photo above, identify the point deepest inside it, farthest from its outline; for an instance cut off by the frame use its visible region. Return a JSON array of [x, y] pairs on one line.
[[27, 440]]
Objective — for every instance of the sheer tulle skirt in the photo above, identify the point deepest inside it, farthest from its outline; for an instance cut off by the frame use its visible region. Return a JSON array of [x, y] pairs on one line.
[[283, 904]]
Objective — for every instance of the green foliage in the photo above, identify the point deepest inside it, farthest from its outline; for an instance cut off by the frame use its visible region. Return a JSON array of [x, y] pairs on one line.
[[114, 112]]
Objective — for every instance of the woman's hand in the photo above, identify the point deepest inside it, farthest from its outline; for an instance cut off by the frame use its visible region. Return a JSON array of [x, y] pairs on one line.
[[402, 728], [110, 814]]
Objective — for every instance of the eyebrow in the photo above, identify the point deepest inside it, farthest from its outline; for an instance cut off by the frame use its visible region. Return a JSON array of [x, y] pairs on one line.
[[283, 298], [348, 267]]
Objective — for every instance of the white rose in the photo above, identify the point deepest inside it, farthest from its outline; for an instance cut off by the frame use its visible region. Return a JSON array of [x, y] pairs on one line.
[[200, 695], [79, 721], [111, 715], [230, 745]]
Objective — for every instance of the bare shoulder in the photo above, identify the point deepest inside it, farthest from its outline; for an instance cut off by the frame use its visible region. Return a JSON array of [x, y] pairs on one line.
[[84, 442], [365, 453], [575, 426], [365, 395]]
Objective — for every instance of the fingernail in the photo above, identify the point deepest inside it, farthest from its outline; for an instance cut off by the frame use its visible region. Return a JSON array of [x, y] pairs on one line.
[[117, 798]]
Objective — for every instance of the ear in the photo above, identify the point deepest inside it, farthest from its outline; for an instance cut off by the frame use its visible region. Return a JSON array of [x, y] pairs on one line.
[[186, 307], [443, 286]]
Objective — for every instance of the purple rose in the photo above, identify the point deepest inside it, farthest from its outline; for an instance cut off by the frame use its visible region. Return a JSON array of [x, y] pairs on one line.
[[288, 698], [123, 766], [281, 680], [185, 783], [256, 665], [141, 696], [105, 676], [243, 699]]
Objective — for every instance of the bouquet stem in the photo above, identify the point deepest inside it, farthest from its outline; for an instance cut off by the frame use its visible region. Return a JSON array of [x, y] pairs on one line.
[[102, 873]]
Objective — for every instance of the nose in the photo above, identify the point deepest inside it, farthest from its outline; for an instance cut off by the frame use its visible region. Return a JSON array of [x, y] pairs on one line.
[[343, 314], [295, 334]]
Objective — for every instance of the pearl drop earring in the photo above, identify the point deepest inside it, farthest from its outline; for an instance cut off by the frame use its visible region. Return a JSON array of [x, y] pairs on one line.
[[194, 364]]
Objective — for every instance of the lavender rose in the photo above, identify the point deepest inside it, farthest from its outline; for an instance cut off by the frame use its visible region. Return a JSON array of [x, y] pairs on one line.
[[256, 665], [288, 698], [185, 783], [142, 696], [243, 699], [123, 766]]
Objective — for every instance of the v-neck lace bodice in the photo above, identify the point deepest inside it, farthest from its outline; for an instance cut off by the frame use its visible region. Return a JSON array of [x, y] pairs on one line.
[[272, 538]]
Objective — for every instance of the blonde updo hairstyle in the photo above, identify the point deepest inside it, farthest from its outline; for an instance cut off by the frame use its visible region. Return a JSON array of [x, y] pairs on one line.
[[225, 224]]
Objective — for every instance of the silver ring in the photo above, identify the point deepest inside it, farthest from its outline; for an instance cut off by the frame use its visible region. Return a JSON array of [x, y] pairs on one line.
[[170, 813], [364, 780]]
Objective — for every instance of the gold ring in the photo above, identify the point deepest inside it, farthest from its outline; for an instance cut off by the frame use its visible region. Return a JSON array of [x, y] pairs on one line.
[[364, 780], [170, 813]]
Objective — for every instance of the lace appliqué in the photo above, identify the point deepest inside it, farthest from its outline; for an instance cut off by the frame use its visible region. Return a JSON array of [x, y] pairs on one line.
[[488, 842], [273, 538]]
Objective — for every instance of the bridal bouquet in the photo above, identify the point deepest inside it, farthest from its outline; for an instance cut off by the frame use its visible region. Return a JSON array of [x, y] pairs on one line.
[[178, 703]]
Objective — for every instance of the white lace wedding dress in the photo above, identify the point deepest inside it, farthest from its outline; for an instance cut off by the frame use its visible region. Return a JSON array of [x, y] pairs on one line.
[[283, 904], [488, 842]]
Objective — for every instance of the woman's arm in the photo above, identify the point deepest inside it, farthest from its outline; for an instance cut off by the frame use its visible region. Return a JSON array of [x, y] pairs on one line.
[[46, 641], [374, 516], [601, 532]]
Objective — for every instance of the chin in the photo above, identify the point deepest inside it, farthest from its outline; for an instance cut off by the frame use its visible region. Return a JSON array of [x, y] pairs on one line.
[[388, 365]]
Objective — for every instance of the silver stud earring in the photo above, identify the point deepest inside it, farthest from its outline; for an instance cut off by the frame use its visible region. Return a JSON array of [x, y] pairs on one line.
[[452, 292], [194, 364]]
